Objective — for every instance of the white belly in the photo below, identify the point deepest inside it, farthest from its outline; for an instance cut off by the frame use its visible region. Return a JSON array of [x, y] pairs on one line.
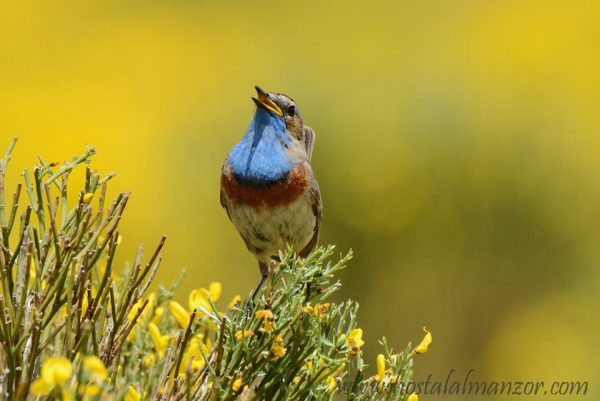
[[269, 230]]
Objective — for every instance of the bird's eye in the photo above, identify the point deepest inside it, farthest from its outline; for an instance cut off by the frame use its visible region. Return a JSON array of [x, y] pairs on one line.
[[291, 110]]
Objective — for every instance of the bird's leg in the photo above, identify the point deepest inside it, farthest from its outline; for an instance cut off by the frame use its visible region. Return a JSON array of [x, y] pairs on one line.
[[270, 272], [263, 278], [264, 273], [309, 289]]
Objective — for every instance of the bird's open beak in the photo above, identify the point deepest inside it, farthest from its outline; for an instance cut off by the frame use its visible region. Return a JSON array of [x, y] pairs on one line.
[[265, 102]]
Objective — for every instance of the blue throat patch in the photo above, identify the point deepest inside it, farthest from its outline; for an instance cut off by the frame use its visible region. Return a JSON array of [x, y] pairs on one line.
[[259, 159]]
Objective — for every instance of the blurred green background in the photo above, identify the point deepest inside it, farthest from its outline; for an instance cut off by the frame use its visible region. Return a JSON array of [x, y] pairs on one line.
[[457, 152]]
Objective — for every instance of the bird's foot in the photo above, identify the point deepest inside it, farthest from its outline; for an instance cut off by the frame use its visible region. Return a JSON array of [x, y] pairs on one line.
[[249, 308]]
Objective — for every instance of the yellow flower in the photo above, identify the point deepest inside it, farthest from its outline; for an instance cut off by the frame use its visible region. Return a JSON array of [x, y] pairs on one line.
[[243, 334], [84, 306], [214, 291], [91, 389], [355, 341], [160, 341], [380, 368], [331, 378], [201, 297], [136, 307], [277, 350], [320, 310], [308, 366], [102, 238], [149, 360], [158, 312], [193, 355], [234, 301], [267, 316], [134, 311], [264, 314], [181, 315], [425, 342], [66, 396], [87, 198], [204, 345], [132, 394], [95, 367], [237, 384], [331, 383], [55, 372], [308, 309], [151, 300], [413, 397], [267, 326], [32, 271]]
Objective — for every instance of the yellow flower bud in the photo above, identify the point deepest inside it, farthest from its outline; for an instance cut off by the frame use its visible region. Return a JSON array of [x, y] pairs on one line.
[[214, 291], [158, 312], [331, 383], [160, 342], [135, 309], [87, 198], [237, 384], [181, 315], [425, 342], [380, 368], [132, 394], [149, 360]]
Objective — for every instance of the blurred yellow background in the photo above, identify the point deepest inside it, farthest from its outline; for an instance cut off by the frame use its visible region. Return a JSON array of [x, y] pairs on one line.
[[457, 152]]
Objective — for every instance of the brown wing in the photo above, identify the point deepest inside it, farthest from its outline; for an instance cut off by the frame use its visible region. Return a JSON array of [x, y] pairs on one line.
[[309, 140], [317, 207], [223, 199]]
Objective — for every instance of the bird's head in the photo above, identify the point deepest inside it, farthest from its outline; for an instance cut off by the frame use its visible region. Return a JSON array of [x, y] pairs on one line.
[[283, 106]]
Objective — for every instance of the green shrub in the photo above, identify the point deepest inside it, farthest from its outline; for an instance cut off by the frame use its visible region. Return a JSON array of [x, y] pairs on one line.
[[73, 328]]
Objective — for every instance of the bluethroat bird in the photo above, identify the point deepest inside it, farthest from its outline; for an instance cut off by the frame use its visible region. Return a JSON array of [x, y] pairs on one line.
[[268, 187]]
